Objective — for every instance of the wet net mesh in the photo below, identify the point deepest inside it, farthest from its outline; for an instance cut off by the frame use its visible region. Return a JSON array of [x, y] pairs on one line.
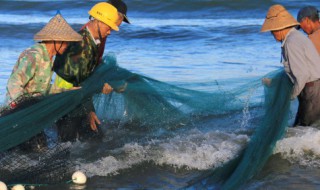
[[272, 127], [153, 107]]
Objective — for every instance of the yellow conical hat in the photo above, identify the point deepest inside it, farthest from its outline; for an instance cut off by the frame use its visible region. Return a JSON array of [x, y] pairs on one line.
[[57, 30], [278, 18]]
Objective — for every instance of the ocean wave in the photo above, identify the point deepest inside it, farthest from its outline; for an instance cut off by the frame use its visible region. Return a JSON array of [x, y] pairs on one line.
[[301, 145], [16, 19], [188, 9], [141, 28], [169, 6], [202, 151], [152, 6], [196, 150]]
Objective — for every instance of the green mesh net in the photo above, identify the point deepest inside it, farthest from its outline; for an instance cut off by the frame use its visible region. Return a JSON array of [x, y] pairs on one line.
[[238, 171], [152, 109]]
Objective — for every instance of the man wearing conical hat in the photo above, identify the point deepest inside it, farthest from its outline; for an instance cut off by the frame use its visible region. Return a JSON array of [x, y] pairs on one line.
[[301, 63], [84, 57], [32, 73], [31, 76], [309, 21]]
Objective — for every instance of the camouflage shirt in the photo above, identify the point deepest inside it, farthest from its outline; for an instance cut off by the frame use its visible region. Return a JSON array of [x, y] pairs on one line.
[[32, 73], [79, 60]]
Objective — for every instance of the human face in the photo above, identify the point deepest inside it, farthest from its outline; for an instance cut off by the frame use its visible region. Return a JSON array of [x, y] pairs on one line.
[[61, 46], [104, 29], [120, 19], [277, 35], [306, 26]]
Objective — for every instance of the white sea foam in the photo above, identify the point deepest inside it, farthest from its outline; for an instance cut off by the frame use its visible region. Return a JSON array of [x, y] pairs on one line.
[[36, 19], [196, 150], [153, 23], [201, 151], [301, 145], [138, 22], [110, 165]]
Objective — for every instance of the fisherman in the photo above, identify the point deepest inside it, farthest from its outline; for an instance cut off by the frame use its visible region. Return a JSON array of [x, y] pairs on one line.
[[301, 63], [310, 24], [82, 123], [32, 74], [122, 13]]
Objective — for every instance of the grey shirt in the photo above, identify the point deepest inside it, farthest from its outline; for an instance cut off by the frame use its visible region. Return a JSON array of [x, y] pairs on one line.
[[300, 59]]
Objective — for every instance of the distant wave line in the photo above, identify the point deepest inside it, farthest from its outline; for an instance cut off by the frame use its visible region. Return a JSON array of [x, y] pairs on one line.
[[142, 22]]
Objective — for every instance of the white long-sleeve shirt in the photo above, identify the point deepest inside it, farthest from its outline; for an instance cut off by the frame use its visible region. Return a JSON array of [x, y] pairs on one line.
[[300, 59]]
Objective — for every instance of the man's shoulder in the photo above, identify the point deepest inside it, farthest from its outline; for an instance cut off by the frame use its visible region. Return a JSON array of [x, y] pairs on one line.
[[296, 35], [298, 39], [32, 52], [315, 35]]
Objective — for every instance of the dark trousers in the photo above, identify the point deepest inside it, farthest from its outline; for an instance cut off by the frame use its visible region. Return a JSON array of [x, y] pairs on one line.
[[75, 125], [309, 105]]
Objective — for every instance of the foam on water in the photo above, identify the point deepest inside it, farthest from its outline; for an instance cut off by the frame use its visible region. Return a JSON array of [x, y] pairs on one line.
[[16, 19], [301, 145], [196, 150], [146, 22]]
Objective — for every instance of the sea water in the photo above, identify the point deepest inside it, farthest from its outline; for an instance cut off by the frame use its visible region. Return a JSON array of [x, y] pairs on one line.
[[191, 44]]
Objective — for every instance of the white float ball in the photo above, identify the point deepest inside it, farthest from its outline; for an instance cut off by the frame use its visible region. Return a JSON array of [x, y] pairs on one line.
[[18, 187], [79, 178], [3, 186]]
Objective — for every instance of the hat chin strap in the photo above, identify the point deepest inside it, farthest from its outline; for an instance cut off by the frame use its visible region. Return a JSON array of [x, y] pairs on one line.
[[57, 51], [99, 31]]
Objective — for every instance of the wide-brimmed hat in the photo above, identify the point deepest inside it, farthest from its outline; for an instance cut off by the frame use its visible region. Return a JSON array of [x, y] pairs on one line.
[[57, 30], [278, 18]]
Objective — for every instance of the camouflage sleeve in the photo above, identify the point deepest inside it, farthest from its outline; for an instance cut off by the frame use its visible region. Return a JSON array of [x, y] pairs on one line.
[[67, 64], [23, 71], [77, 62]]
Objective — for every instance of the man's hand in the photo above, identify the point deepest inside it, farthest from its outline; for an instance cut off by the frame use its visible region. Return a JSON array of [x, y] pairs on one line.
[[267, 81], [93, 119], [75, 88], [107, 89], [13, 105]]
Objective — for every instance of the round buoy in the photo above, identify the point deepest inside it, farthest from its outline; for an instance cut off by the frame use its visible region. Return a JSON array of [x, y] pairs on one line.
[[18, 187], [79, 178], [3, 186]]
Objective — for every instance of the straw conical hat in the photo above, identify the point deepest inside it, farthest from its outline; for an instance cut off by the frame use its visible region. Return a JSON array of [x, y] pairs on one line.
[[57, 30], [278, 18]]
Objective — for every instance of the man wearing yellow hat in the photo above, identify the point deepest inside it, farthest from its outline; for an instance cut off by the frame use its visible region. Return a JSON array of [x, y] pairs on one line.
[[121, 6], [31, 76], [84, 57], [300, 60]]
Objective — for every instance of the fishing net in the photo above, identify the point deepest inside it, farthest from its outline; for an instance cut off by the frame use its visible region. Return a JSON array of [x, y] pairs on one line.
[[236, 172], [150, 108]]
